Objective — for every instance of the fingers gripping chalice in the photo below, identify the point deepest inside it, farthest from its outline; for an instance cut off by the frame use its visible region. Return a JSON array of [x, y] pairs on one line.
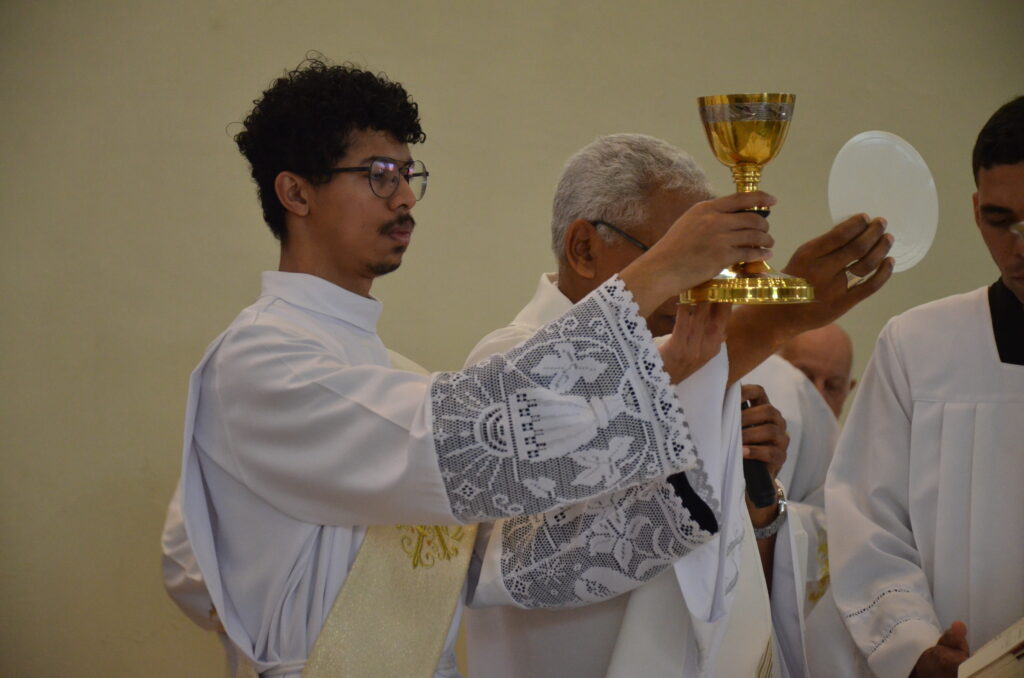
[[745, 132]]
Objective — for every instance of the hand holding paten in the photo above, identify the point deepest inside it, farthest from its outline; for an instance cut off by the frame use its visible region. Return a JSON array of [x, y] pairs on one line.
[[857, 247]]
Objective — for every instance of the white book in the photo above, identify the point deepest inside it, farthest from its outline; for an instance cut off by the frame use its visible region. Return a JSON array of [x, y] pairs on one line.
[[1001, 657]]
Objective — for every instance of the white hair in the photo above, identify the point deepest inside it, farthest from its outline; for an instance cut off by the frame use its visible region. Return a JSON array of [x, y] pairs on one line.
[[612, 178]]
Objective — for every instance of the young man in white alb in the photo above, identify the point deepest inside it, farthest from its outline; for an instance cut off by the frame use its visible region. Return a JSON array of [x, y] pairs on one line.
[[925, 497]]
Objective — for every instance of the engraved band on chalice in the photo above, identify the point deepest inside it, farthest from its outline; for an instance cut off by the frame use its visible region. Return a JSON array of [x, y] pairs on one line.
[[753, 110]]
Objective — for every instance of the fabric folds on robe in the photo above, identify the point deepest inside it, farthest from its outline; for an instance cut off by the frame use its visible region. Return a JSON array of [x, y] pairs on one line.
[[924, 497], [299, 433]]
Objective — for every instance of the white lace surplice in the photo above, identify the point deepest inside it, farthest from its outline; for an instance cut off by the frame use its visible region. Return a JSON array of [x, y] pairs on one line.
[[924, 496], [298, 433], [687, 603]]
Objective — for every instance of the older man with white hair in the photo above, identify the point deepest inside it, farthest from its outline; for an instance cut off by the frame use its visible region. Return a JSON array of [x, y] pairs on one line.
[[616, 198]]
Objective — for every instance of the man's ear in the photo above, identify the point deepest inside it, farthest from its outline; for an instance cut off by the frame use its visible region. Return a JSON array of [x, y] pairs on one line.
[[293, 193], [578, 248], [977, 215]]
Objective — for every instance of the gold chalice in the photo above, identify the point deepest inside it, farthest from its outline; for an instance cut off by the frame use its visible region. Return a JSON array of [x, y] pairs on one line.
[[745, 132]]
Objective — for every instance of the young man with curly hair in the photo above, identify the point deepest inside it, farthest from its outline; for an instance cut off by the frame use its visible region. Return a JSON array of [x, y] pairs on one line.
[[300, 432]]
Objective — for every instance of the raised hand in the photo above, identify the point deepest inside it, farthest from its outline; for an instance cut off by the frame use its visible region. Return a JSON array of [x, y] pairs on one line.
[[708, 237], [845, 265], [696, 338], [715, 234]]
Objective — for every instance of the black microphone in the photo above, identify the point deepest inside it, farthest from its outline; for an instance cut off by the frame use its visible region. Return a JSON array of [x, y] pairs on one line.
[[760, 486]]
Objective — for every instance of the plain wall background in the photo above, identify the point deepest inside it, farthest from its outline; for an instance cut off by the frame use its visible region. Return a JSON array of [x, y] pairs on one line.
[[132, 235]]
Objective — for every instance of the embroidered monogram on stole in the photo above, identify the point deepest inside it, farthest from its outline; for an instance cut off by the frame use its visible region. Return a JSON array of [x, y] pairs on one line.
[[427, 544]]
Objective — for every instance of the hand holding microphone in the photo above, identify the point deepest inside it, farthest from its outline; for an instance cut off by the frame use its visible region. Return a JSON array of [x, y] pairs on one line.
[[764, 444]]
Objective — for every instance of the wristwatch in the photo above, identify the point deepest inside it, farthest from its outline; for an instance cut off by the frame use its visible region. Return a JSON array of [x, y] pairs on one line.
[[771, 528]]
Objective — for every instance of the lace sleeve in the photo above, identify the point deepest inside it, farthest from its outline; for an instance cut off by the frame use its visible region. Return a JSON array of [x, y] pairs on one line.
[[581, 409], [594, 551]]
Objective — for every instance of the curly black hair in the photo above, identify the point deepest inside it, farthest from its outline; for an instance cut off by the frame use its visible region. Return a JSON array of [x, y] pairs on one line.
[[1001, 140], [303, 123]]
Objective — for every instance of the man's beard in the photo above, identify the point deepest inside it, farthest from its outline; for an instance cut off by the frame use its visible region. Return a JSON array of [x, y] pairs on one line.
[[402, 221], [384, 269]]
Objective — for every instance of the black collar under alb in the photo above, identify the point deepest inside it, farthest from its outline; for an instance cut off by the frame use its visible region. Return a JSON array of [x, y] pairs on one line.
[[1007, 323]]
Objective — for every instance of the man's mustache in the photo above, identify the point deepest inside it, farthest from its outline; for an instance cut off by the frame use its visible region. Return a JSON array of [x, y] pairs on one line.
[[403, 221]]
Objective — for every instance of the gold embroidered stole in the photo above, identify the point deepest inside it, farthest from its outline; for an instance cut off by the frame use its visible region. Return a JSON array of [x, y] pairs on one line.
[[818, 588], [393, 613], [394, 610]]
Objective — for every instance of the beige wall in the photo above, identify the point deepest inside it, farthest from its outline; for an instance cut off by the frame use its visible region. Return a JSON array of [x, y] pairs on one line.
[[131, 234]]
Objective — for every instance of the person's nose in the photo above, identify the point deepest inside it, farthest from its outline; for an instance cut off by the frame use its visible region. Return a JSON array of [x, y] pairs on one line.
[[403, 196], [1018, 230]]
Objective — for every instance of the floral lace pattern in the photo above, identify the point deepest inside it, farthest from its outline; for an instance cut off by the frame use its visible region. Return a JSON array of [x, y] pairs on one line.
[[590, 552], [569, 437], [581, 409]]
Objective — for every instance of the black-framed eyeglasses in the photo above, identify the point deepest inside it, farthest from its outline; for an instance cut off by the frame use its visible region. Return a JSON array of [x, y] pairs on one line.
[[626, 236], [384, 174]]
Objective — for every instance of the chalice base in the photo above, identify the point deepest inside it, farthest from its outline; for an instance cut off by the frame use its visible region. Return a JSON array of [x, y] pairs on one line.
[[751, 283]]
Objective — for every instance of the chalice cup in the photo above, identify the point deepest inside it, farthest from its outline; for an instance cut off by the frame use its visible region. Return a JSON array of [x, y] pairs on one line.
[[745, 132]]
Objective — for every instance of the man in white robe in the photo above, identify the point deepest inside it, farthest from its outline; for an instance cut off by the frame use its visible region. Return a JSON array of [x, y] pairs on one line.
[[617, 197], [925, 494], [300, 433]]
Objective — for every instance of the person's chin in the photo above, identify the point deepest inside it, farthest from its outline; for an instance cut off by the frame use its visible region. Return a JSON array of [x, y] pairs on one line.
[[385, 267]]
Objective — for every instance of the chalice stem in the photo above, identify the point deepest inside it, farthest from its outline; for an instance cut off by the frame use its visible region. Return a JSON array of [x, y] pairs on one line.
[[747, 176]]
